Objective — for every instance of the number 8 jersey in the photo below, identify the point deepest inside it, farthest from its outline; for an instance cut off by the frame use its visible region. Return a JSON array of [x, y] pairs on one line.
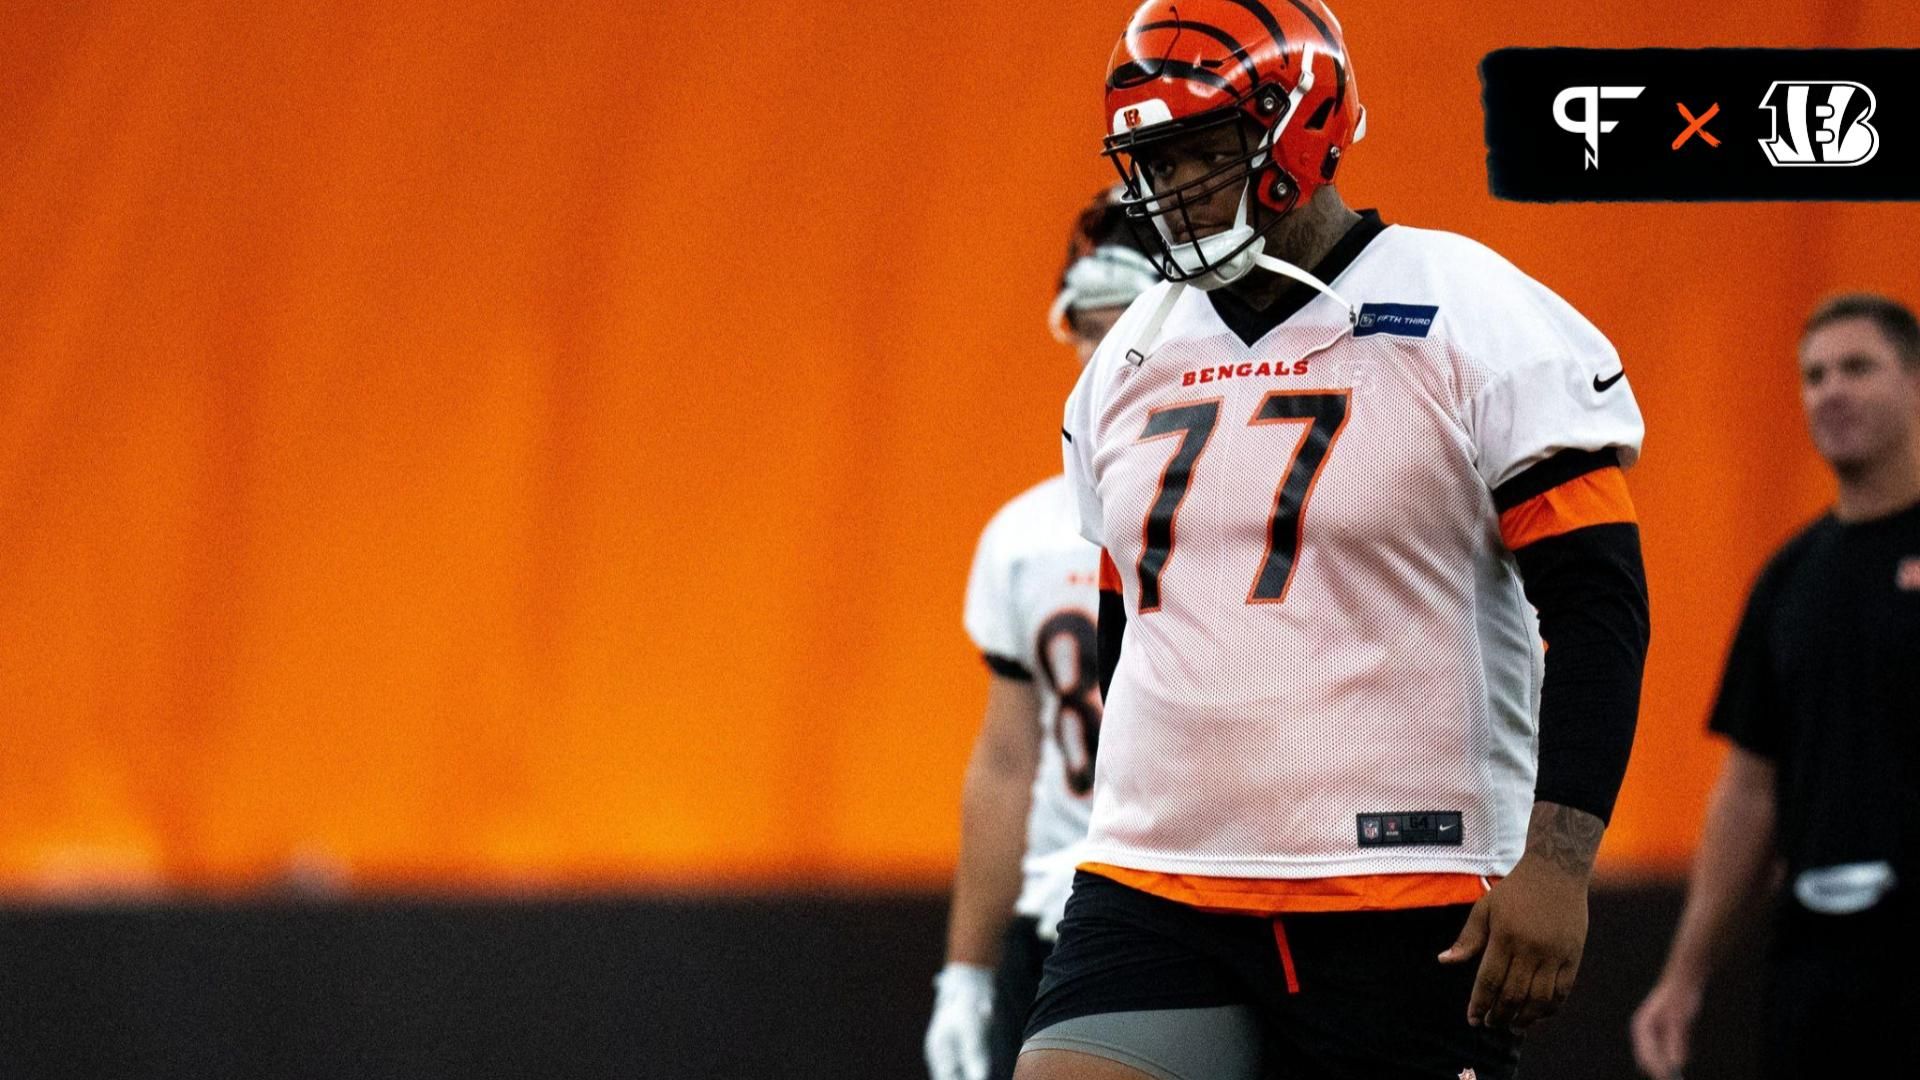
[[1330, 668], [1031, 598]]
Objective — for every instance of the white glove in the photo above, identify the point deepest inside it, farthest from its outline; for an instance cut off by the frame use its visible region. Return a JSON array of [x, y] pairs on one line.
[[957, 1037]]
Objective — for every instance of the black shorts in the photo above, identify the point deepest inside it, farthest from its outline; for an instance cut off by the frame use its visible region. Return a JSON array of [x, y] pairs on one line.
[[1015, 982], [1336, 995]]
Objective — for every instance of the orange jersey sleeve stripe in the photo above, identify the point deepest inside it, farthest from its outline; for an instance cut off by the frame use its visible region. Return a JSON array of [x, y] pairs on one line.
[[1293, 896], [1109, 573], [1596, 498]]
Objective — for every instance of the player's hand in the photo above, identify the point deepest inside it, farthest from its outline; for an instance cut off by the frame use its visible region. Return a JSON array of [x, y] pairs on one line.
[[1663, 1027], [957, 1037], [1532, 929]]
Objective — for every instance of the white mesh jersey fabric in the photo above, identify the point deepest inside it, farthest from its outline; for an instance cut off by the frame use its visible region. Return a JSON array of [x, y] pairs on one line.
[[1031, 597], [1400, 670]]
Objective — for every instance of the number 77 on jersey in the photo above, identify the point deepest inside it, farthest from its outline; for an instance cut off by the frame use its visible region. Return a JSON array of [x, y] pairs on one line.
[[1324, 414]]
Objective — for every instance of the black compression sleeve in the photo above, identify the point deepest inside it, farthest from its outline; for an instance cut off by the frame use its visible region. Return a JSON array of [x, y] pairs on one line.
[[1591, 592], [1113, 626]]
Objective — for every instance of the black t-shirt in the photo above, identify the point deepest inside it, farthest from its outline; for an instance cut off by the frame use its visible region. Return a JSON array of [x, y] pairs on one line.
[[1824, 679]]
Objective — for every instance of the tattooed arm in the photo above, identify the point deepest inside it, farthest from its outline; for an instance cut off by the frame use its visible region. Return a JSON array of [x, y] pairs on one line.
[[1532, 927], [1529, 931], [1565, 837]]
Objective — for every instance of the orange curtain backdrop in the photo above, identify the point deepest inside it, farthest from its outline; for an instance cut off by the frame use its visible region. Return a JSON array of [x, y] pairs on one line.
[[515, 444]]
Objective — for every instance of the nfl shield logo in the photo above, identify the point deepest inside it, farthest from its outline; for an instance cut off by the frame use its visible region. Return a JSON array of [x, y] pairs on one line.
[[1133, 118], [1370, 830]]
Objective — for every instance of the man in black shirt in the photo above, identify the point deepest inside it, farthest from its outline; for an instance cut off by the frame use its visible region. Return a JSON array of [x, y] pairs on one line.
[[1821, 702]]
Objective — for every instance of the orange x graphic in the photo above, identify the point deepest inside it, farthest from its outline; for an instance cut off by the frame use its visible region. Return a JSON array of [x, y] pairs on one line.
[[1698, 125]]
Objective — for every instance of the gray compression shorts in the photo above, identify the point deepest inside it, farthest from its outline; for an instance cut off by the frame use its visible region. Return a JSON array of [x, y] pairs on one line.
[[1217, 1043]]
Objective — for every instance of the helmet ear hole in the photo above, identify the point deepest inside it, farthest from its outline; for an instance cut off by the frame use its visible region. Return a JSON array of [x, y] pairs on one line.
[[1331, 163]]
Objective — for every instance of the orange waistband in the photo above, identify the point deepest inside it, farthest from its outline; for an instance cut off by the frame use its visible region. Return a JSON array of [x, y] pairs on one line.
[[1282, 896]]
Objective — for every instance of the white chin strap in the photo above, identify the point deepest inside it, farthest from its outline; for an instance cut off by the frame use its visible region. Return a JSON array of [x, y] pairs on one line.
[[1287, 270], [1191, 257], [1211, 261], [1207, 262]]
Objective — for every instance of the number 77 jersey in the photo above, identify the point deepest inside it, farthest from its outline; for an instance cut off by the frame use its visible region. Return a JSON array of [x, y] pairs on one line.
[[1330, 667]]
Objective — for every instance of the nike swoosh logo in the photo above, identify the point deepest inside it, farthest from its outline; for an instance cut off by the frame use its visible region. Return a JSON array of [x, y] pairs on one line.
[[1444, 828], [1601, 385]]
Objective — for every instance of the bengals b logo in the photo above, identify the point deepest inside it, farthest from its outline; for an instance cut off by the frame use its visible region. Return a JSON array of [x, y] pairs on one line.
[[1820, 123], [1133, 118]]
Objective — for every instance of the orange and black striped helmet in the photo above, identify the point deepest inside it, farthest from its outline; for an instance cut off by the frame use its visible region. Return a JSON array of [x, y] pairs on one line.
[[1187, 65]]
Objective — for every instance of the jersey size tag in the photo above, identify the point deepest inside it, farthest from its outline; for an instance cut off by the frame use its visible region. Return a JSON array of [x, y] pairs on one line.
[[1415, 827], [1400, 320]]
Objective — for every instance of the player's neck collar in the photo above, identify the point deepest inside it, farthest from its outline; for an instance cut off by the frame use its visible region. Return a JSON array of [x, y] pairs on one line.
[[1251, 324]]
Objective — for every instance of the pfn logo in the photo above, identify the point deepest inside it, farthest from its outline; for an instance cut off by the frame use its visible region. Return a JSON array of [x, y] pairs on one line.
[[1589, 123], [1825, 124]]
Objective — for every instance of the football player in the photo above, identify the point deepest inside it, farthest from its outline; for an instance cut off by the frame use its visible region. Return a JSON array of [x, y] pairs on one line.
[[1348, 805], [1030, 610]]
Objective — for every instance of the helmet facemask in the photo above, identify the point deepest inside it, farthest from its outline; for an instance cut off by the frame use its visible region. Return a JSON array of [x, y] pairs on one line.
[[1162, 217]]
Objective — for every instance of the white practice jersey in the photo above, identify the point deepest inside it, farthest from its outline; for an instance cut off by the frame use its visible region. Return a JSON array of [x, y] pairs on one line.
[[1325, 628], [1031, 602]]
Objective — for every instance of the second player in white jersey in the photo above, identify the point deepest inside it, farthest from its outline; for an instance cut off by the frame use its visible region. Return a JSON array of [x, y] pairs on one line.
[[1031, 602], [1030, 610]]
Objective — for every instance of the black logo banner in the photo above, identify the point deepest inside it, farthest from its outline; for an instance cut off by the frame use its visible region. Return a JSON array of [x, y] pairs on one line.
[[1702, 124]]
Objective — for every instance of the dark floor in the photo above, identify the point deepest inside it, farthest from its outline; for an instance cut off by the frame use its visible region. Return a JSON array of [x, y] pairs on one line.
[[790, 987]]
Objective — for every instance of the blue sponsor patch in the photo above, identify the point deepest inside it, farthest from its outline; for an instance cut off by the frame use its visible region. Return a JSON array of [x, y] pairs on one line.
[[1403, 320]]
